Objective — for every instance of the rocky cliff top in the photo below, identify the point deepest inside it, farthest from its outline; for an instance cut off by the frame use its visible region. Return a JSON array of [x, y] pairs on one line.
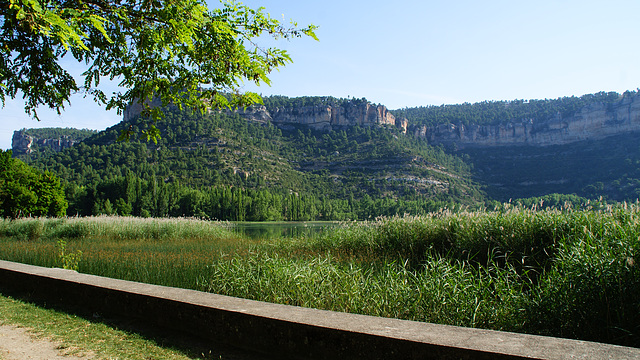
[[594, 121], [325, 113], [326, 116], [25, 141]]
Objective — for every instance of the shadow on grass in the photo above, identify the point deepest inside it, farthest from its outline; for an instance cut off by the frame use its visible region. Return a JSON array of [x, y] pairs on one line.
[[190, 346]]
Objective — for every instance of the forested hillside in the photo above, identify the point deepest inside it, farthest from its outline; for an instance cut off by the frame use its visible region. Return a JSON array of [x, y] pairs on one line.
[[608, 168], [606, 165], [221, 166], [503, 112]]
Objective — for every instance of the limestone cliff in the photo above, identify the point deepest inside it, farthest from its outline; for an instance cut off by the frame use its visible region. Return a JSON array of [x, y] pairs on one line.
[[135, 108], [23, 143], [326, 117], [319, 117], [595, 121]]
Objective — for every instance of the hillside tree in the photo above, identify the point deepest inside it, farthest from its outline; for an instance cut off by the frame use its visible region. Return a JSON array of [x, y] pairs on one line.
[[26, 191]]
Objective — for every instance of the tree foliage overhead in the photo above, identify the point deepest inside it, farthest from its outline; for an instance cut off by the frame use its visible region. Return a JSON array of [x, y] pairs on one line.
[[177, 50]]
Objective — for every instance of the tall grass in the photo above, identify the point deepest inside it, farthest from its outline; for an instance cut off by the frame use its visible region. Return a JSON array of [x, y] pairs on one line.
[[170, 252], [522, 237], [448, 292], [112, 227], [562, 273]]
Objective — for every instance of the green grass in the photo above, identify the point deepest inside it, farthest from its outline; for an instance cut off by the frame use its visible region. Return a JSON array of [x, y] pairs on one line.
[[443, 291], [113, 227], [78, 336], [564, 273]]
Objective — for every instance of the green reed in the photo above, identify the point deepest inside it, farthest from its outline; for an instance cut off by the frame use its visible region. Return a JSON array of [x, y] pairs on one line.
[[442, 292], [170, 252], [553, 272], [112, 227]]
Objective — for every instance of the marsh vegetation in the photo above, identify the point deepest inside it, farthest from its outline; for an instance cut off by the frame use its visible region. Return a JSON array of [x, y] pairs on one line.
[[568, 273]]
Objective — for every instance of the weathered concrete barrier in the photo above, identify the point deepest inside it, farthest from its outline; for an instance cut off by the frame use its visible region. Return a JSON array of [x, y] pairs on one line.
[[289, 331]]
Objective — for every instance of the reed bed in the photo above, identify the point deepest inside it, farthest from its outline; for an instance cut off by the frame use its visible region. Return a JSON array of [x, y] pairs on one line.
[[112, 227], [552, 272]]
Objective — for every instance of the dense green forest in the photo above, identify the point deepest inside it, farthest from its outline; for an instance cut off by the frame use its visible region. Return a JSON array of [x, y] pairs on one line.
[[608, 168], [221, 166], [503, 112], [279, 101]]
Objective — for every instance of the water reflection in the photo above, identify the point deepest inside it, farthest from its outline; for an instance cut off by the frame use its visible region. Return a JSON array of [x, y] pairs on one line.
[[272, 230]]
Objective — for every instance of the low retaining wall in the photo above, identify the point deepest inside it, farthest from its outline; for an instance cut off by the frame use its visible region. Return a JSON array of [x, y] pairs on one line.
[[289, 331]]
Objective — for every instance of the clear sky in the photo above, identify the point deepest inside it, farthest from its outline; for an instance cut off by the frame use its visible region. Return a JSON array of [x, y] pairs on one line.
[[417, 53]]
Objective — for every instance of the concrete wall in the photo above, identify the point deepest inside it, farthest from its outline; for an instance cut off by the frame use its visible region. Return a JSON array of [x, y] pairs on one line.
[[288, 331]]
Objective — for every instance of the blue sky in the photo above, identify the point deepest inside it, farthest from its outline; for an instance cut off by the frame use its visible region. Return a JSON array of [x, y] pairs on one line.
[[417, 53]]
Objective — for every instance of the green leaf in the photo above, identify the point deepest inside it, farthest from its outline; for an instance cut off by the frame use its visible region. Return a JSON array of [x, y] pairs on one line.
[[153, 48]]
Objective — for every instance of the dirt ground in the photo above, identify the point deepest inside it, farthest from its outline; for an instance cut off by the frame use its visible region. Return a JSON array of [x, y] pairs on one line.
[[18, 344]]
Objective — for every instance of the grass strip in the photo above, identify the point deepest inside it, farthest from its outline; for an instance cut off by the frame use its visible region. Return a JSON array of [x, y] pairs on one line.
[[82, 335], [101, 339]]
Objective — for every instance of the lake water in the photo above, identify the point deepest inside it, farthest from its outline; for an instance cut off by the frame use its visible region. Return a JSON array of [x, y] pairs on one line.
[[271, 230]]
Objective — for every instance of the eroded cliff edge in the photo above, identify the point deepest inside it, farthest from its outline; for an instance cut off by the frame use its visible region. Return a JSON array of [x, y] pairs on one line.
[[25, 141], [595, 121], [326, 117], [22, 143], [592, 122]]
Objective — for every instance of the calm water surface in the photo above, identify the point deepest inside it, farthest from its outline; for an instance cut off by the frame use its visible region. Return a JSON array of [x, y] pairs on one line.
[[271, 230]]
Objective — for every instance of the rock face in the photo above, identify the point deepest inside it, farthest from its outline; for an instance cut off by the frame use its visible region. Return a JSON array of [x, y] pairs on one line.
[[319, 117], [596, 121], [22, 143], [326, 117], [135, 108]]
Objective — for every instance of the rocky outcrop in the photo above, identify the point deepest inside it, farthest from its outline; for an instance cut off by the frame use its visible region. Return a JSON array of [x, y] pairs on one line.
[[319, 117], [22, 143], [135, 108], [326, 117], [596, 121]]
